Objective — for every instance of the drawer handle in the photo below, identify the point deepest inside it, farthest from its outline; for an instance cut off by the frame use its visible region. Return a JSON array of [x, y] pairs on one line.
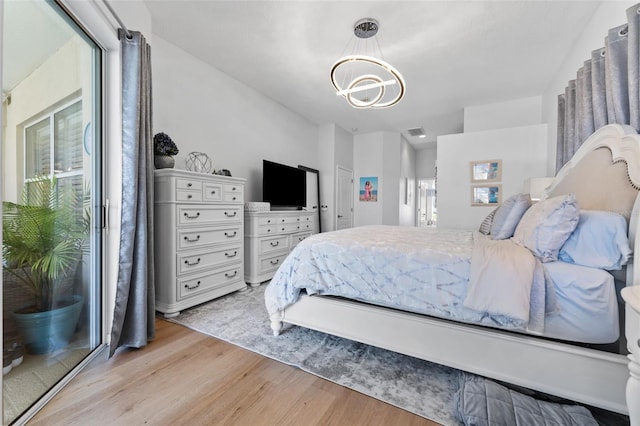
[[191, 240], [191, 217], [231, 235], [234, 198], [213, 192], [298, 219], [227, 214], [231, 255], [231, 276], [283, 229], [276, 244], [298, 226], [268, 220], [189, 196], [192, 288], [189, 185], [233, 189], [275, 262], [282, 220], [269, 230], [186, 262]]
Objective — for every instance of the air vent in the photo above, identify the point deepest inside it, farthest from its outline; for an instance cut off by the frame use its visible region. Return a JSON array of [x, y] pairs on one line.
[[419, 132]]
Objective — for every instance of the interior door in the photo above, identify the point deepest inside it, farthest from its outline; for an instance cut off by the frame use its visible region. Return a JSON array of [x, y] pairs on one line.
[[344, 195]]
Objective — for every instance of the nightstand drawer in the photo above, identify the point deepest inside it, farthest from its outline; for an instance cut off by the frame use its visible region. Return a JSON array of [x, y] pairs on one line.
[[188, 215], [188, 238], [271, 263], [206, 259], [274, 244], [192, 286]]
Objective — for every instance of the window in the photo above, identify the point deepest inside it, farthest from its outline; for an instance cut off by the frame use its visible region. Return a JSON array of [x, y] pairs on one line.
[[53, 148]]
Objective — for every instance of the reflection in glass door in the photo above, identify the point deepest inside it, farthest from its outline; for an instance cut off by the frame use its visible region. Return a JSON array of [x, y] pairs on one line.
[[51, 193]]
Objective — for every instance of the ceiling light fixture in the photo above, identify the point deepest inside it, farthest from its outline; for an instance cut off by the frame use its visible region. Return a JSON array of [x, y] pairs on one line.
[[367, 81]]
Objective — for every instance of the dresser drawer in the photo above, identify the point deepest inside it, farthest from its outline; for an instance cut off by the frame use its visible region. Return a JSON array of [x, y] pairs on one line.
[[274, 244], [189, 184], [212, 192], [308, 226], [296, 238], [191, 215], [271, 263], [232, 197], [206, 259], [188, 238], [188, 195], [194, 285], [267, 221]]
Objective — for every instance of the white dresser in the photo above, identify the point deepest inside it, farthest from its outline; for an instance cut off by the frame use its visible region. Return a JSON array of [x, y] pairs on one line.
[[270, 236], [198, 238]]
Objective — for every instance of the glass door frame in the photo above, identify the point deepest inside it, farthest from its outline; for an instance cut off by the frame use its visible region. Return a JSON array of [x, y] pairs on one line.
[[103, 69]]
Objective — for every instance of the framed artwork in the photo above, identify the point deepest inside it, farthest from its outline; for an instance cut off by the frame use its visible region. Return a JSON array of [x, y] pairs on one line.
[[369, 188], [486, 171], [486, 195]]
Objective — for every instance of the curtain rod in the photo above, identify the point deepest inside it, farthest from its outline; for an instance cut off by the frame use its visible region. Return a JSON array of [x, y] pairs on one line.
[[115, 15]]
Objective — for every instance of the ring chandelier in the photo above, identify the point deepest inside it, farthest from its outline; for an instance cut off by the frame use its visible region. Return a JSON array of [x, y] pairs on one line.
[[367, 81]]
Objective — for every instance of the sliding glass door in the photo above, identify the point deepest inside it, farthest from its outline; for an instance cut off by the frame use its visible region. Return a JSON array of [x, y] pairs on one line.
[[51, 193]]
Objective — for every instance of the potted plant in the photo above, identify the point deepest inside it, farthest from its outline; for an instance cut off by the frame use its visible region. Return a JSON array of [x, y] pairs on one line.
[[164, 149], [43, 242]]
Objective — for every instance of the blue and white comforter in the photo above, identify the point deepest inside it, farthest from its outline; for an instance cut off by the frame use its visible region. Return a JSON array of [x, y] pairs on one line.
[[413, 269]]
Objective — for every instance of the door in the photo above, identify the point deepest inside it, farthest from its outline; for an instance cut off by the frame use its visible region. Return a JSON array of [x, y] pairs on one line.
[[344, 198], [426, 204], [52, 198]]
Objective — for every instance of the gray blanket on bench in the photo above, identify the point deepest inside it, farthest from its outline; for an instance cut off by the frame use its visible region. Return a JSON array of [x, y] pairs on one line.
[[481, 402]]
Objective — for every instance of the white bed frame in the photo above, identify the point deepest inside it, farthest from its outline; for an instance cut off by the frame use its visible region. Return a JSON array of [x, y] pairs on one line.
[[581, 374]]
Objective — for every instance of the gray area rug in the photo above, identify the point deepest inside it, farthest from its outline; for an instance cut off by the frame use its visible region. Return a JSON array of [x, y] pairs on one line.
[[418, 386]]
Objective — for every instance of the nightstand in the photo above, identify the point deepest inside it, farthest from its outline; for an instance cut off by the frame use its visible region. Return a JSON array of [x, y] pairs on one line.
[[631, 296]]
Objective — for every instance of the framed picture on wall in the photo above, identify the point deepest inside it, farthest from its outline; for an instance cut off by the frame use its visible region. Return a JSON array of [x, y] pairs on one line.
[[486, 171], [486, 195], [369, 189]]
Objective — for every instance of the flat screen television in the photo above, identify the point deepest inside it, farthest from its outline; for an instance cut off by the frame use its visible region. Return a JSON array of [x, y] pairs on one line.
[[285, 187]]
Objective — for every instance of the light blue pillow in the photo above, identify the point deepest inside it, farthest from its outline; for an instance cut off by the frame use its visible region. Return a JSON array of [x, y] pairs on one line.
[[508, 215], [599, 241], [547, 225]]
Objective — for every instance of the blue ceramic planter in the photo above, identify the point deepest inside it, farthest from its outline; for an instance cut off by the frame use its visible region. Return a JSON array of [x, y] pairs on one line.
[[44, 332]]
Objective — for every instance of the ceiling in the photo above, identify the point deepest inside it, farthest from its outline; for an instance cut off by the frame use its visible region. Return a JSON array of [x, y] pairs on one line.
[[452, 54]]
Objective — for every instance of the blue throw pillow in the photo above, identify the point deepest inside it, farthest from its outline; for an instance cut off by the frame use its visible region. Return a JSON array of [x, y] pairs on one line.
[[599, 241], [508, 215]]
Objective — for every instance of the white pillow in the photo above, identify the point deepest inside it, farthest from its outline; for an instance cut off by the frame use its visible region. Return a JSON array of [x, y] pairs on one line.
[[546, 226], [508, 215], [599, 241]]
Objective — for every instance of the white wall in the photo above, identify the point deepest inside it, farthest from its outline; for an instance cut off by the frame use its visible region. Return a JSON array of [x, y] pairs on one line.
[[407, 212], [426, 163], [335, 148], [202, 109], [368, 161], [513, 113], [523, 154], [609, 14]]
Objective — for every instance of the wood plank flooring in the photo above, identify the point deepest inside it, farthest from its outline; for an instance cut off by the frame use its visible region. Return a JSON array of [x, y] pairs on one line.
[[185, 377]]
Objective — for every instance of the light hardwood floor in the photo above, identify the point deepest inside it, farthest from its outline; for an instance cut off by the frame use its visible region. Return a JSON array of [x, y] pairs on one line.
[[185, 377]]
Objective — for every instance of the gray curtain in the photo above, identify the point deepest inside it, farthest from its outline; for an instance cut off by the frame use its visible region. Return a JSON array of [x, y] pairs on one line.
[[134, 313], [606, 89]]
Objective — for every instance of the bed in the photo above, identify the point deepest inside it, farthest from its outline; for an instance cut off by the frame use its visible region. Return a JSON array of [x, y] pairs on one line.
[[553, 346]]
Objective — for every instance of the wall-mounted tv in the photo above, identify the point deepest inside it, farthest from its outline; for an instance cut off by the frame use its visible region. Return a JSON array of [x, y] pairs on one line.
[[285, 187]]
